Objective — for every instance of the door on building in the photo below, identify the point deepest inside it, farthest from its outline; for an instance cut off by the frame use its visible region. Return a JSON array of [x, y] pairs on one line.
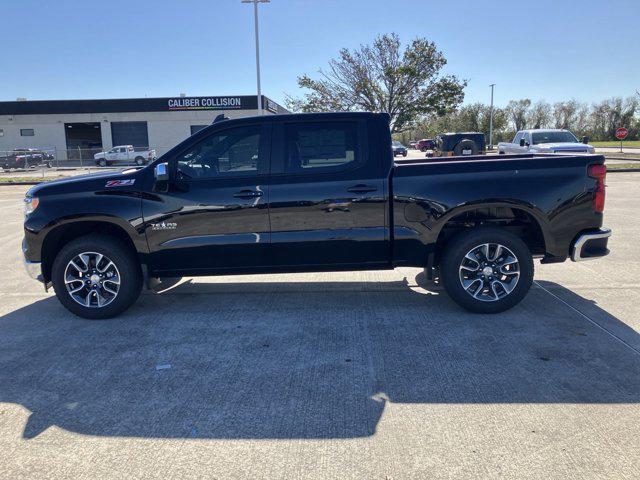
[[84, 140], [130, 133]]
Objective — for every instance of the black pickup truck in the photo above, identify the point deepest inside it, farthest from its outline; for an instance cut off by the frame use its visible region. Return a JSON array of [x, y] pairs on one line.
[[312, 192]]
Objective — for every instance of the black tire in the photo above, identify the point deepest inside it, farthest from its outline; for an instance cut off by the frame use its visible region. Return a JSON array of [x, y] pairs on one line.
[[454, 255], [466, 145], [404, 154], [139, 160], [102, 162], [123, 258], [423, 149]]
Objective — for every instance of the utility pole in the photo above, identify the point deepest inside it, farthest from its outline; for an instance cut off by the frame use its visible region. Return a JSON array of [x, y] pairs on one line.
[[491, 119], [255, 19]]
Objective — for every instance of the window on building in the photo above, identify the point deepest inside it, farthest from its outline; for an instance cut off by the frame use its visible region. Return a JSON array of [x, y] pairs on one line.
[[197, 128], [1, 132], [320, 146], [233, 152], [27, 132]]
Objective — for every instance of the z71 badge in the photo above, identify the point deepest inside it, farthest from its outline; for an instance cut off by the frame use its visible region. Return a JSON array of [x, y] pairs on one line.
[[120, 183]]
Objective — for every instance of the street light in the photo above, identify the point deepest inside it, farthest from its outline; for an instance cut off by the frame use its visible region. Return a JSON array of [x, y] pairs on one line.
[[491, 119], [255, 18]]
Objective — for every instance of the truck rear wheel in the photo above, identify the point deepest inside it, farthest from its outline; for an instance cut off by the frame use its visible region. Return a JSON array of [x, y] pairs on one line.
[[96, 277], [139, 160], [487, 270]]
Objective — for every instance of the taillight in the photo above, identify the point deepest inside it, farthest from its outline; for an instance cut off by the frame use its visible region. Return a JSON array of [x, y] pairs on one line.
[[599, 172]]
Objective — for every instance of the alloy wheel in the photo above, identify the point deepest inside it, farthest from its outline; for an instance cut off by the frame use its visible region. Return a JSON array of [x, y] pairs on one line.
[[489, 272], [92, 279]]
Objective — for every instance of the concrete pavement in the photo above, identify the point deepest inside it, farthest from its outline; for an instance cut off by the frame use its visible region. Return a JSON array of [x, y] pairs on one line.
[[328, 375]]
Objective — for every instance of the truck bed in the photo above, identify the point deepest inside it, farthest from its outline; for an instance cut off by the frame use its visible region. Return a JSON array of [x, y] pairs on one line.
[[552, 189]]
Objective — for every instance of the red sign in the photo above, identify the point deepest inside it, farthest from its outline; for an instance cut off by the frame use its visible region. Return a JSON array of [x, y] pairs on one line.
[[621, 133]]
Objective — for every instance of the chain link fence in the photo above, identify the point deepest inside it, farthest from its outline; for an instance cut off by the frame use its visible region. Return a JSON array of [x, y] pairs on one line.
[[52, 163]]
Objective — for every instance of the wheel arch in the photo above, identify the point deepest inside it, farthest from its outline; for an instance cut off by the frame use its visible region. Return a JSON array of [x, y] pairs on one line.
[[62, 234], [522, 220]]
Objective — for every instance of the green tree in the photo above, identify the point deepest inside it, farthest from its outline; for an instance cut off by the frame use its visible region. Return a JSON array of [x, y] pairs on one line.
[[518, 111], [382, 77]]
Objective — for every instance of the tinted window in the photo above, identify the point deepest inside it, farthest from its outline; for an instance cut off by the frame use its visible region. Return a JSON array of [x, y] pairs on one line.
[[318, 146], [517, 138], [233, 152], [27, 132]]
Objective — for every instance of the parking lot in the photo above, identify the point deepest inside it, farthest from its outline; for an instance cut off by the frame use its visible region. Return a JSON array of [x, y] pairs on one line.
[[352, 375]]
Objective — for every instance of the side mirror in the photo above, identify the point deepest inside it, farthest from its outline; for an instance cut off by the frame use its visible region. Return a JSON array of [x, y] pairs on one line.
[[161, 172], [161, 175], [522, 142], [585, 140]]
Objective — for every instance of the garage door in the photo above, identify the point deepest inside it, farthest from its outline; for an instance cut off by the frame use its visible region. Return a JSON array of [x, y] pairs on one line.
[[130, 133]]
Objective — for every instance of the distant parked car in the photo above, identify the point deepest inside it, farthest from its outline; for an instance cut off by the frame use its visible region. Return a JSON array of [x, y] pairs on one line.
[[124, 155], [545, 141], [399, 149], [25, 158], [460, 144], [426, 144]]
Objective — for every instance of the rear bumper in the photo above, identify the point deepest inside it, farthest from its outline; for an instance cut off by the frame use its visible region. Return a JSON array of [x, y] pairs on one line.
[[590, 245]]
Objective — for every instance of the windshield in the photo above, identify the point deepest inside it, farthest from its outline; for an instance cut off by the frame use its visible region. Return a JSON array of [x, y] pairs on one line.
[[396, 143], [553, 137]]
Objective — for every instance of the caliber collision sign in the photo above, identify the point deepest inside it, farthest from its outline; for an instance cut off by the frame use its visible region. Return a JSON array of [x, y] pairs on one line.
[[621, 133], [204, 103]]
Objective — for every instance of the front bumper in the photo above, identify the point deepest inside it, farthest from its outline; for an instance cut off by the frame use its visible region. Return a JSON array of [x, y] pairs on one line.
[[590, 245], [34, 270]]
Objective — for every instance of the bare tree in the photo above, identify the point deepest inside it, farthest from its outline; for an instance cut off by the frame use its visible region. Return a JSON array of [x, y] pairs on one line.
[[382, 78]]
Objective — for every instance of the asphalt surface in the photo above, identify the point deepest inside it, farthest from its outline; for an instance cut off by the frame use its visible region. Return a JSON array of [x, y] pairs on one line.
[[338, 375]]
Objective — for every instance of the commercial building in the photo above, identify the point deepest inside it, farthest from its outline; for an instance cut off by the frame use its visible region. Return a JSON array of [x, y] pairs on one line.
[[72, 129]]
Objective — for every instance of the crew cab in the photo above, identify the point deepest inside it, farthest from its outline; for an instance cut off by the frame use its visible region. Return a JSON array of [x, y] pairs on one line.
[[124, 155], [312, 192], [545, 141]]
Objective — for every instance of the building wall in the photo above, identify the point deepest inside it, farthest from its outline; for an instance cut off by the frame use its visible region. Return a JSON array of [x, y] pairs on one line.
[[166, 129]]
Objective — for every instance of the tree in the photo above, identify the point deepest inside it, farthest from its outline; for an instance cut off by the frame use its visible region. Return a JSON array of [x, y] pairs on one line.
[[540, 115], [382, 78], [518, 110]]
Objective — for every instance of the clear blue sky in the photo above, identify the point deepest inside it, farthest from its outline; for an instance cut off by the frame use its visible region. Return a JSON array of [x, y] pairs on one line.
[[587, 50]]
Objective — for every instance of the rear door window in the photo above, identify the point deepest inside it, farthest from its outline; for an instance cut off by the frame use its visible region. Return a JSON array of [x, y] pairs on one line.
[[322, 146]]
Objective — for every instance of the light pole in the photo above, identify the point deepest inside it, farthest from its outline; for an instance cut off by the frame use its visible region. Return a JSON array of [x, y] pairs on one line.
[[255, 18], [491, 119]]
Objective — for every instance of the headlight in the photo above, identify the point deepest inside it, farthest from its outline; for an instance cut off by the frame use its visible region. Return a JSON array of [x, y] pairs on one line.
[[30, 204]]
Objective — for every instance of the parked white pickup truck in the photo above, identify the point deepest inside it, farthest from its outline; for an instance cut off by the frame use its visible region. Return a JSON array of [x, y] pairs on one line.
[[545, 141], [124, 155]]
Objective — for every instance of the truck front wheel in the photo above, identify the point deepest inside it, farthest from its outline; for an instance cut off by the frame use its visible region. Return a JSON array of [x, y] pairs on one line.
[[96, 277], [487, 270]]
